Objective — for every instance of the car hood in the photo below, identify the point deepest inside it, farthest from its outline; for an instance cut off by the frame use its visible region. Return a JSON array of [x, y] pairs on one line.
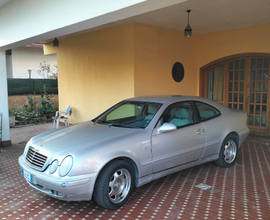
[[78, 137]]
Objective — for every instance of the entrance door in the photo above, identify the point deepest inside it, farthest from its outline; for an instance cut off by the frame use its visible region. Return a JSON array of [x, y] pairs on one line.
[[236, 86], [258, 94], [241, 83]]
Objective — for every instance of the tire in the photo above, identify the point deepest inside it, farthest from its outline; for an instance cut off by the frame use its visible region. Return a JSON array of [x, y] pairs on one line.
[[114, 185], [228, 152]]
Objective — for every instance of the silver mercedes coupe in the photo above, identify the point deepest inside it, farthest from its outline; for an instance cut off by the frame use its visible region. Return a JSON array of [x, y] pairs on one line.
[[134, 142]]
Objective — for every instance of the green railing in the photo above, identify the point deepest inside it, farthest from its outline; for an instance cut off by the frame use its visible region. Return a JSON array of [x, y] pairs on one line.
[[31, 86]]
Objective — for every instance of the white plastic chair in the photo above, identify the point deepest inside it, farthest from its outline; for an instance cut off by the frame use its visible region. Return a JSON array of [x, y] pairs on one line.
[[62, 115]]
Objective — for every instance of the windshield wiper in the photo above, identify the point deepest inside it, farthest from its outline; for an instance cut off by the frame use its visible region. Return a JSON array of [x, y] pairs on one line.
[[130, 126], [101, 122], [123, 125], [116, 125]]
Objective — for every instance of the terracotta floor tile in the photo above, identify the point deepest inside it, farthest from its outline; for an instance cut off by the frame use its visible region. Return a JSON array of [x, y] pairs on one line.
[[239, 192]]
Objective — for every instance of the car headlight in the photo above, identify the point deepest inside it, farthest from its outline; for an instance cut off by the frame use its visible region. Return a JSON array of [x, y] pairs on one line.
[[66, 166], [53, 166]]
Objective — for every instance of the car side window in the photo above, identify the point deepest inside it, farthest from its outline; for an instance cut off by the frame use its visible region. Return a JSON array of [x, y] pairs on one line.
[[206, 111], [180, 114]]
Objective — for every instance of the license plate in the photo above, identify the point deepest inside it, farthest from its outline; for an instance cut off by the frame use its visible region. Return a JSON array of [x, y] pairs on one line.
[[27, 175]]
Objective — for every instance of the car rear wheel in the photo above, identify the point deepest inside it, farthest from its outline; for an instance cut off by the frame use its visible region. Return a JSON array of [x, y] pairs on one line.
[[228, 152], [114, 185]]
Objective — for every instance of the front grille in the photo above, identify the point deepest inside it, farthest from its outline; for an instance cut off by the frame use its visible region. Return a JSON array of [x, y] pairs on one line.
[[34, 158]]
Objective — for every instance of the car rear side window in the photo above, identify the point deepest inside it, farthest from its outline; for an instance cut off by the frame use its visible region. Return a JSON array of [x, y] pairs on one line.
[[206, 111], [180, 114]]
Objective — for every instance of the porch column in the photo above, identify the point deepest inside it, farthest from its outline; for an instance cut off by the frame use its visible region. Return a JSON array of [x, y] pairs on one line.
[[4, 100]]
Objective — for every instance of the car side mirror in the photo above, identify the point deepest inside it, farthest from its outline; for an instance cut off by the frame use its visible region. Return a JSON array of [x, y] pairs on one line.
[[166, 127]]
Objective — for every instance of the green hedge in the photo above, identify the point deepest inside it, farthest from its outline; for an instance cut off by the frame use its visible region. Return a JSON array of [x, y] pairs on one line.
[[31, 86]]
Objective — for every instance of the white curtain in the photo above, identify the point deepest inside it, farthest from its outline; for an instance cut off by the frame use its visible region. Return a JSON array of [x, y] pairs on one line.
[[218, 83], [215, 83]]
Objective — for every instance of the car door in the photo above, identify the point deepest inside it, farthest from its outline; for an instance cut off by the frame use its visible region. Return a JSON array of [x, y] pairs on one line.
[[183, 145], [214, 125]]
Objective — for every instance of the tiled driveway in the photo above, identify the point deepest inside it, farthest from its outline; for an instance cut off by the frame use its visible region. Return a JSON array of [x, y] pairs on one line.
[[239, 192]]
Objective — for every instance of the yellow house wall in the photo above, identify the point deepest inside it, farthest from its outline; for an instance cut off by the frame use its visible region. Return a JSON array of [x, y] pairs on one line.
[[156, 51], [211, 47], [98, 69], [95, 71]]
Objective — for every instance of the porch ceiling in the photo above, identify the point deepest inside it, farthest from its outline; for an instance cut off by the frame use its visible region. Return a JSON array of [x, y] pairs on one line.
[[209, 16], [4, 2], [206, 16]]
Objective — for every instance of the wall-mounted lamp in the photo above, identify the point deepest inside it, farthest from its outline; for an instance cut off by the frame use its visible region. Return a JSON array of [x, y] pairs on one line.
[[188, 29], [55, 42]]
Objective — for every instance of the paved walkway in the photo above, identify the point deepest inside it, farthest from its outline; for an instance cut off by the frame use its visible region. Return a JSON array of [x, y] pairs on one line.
[[23, 133], [239, 192]]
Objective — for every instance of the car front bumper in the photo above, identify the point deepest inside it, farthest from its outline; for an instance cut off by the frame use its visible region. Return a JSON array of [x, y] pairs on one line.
[[77, 188]]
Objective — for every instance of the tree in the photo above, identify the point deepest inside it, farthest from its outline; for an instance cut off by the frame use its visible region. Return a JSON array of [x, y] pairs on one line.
[[47, 72]]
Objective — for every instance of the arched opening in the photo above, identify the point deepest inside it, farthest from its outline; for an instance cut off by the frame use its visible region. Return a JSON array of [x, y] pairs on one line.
[[241, 82]]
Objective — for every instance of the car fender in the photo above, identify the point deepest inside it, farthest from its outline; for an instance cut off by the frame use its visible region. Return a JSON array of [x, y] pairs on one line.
[[136, 147]]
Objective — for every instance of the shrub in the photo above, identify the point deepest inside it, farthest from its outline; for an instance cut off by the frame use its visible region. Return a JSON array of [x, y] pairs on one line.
[[30, 111], [46, 105]]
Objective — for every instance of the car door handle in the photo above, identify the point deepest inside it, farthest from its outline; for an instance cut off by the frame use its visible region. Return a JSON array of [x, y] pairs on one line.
[[200, 131]]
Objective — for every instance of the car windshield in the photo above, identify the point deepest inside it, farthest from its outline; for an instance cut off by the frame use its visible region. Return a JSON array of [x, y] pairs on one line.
[[129, 114]]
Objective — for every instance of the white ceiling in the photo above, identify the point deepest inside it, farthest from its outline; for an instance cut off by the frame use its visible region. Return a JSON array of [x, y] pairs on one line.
[[206, 16], [209, 16], [4, 2]]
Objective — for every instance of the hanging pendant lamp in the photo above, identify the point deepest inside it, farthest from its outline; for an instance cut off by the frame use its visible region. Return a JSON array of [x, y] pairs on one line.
[[55, 42], [188, 29]]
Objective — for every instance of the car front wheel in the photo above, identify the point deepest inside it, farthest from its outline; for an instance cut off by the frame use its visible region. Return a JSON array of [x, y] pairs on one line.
[[114, 185], [228, 152]]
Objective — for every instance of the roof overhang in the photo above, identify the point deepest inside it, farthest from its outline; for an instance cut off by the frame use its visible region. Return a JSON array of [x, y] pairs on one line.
[[24, 22]]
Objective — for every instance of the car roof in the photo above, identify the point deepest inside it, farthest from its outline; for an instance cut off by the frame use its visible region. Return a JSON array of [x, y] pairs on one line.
[[177, 98], [167, 99]]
